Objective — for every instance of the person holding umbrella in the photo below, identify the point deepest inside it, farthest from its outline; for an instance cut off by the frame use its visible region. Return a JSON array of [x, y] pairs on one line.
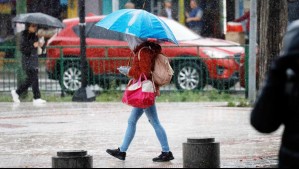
[[29, 45], [143, 42], [148, 52]]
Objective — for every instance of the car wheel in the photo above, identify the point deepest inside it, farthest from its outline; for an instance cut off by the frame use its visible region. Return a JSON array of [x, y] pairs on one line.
[[72, 76], [190, 76], [224, 86]]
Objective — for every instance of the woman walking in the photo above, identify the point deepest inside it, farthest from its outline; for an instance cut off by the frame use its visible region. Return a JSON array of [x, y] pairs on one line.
[[29, 46], [143, 65]]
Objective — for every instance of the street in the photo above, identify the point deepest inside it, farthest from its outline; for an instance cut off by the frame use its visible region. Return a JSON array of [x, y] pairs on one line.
[[224, 49], [31, 135]]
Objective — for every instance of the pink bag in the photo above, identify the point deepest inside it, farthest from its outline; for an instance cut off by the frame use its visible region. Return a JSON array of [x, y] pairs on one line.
[[140, 94]]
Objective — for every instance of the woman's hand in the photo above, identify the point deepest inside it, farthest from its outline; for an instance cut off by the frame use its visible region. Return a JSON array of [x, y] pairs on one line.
[[36, 44], [124, 70]]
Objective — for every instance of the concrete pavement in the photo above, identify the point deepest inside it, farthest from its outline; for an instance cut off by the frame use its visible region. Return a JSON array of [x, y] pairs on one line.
[[31, 135]]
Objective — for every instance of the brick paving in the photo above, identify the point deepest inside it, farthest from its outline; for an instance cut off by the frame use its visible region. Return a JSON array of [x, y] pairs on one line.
[[31, 135]]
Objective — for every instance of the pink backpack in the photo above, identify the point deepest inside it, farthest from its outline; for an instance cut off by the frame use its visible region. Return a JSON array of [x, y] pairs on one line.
[[163, 72]]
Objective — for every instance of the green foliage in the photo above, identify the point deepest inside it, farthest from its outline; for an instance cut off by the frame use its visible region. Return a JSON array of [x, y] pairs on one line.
[[231, 104], [242, 103], [234, 100]]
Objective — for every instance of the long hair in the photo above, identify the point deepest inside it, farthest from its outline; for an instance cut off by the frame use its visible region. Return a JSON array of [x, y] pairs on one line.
[[27, 25], [155, 48]]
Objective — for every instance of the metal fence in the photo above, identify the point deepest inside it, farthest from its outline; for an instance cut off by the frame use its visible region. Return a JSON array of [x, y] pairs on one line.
[[63, 73]]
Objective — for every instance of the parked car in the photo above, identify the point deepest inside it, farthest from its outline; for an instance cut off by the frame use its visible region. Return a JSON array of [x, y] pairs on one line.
[[217, 63]]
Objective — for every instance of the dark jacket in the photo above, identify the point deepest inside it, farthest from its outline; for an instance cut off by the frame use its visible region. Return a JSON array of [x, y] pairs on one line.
[[293, 8], [278, 103], [29, 52]]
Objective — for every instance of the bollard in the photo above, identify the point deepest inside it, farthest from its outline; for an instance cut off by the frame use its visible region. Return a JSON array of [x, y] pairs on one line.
[[72, 159], [201, 153]]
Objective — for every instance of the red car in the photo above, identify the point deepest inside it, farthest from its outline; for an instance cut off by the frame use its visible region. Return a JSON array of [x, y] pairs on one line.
[[197, 61]]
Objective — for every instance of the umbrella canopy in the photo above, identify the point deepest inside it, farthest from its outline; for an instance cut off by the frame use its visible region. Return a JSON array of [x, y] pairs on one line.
[[39, 19], [139, 23]]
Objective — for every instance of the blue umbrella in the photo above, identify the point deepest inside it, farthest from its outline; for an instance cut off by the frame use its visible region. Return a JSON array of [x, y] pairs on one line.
[[139, 23]]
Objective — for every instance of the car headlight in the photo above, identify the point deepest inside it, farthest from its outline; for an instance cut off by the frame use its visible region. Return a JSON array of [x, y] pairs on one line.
[[216, 54]]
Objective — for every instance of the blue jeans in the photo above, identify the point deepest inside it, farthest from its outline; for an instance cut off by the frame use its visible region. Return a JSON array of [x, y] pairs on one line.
[[152, 116]]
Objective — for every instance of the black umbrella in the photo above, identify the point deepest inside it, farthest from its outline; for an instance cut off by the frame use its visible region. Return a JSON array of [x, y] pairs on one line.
[[39, 19]]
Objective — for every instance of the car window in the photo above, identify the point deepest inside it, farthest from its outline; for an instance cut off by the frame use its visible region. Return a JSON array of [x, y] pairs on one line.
[[181, 32], [87, 28], [97, 32]]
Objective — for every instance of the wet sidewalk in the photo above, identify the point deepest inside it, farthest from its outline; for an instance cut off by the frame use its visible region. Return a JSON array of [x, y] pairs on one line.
[[31, 135]]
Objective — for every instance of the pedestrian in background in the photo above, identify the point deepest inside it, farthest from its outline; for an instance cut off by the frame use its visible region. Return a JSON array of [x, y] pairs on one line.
[[194, 18], [28, 46], [130, 5], [143, 65], [278, 102], [168, 12]]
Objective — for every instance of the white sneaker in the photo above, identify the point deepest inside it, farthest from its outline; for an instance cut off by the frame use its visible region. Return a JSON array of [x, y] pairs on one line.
[[39, 101], [15, 96]]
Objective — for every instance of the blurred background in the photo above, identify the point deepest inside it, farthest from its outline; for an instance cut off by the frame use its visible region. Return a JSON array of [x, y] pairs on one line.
[[221, 11], [219, 19]]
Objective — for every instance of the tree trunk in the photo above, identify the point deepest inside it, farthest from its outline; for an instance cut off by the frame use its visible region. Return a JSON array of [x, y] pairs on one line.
[[273, 20]]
